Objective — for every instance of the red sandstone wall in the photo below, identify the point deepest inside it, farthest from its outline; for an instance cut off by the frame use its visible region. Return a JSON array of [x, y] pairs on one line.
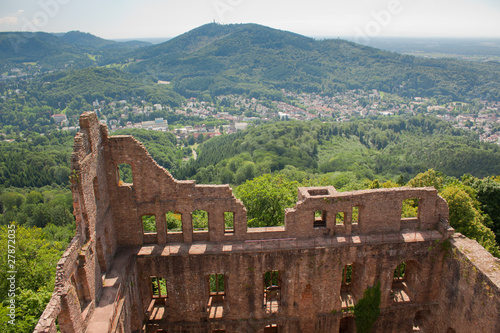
[[311, 283], [109, 227], [469, 299]]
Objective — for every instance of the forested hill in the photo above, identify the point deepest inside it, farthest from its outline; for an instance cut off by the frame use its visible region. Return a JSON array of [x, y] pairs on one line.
[[253, 59], [57, 51], [382, 148], [256, 60]]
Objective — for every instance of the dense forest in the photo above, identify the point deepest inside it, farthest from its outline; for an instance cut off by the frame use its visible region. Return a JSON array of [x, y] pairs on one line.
[[366, 148], [44, 225], [387, 148]]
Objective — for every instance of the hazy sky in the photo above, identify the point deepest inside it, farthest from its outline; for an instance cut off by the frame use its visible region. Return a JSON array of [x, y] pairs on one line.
[[168, 18]]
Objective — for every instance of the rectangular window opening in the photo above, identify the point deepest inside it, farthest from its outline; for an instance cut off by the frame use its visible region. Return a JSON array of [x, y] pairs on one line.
[[339, 218], [125, 174], [399, 272], [174, 222], [317, 192], [272, 291], [410, 208], [158, 287], [355, 215], [217, 286], [347, 275], [228, 222], [200, 220], [217, 292], [148, 224], [400, 292], [320, 219]]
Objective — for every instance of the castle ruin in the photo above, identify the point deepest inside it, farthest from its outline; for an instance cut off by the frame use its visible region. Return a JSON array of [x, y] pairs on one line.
[[306, 276]]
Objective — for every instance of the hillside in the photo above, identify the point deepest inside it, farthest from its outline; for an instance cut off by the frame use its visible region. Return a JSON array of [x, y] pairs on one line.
[[384, 148], [59, 89], [50, 51], [42, 48], [253, 59]]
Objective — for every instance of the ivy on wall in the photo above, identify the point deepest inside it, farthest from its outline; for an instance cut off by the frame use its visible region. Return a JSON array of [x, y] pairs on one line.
[[367, 310]]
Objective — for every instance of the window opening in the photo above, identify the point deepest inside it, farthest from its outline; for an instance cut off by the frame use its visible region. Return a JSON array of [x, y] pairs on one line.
[[272, 291], [339, 218], [317, 192], [228, 222], [320, 219], [159, 294], [217, 291], [355, 215], [347, 275], [81, 299], [410, 208], [217, 284], [125, 174], [158, 287], [96, 190], [399, 291], [399, 272], [200, 220], [174, 222], [346, 296], [148, 224]]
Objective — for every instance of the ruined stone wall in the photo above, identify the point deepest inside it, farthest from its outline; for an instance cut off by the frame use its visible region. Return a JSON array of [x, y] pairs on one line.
[[78, 276], [310, 290], [470, 293], [104, 279]]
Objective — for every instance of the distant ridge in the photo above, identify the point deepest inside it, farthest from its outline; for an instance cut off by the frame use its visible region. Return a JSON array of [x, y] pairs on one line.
[[60, 49], [254, 59]]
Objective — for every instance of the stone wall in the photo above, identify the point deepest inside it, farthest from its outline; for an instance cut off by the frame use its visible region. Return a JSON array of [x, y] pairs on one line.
[[106, 277], [470, 294]]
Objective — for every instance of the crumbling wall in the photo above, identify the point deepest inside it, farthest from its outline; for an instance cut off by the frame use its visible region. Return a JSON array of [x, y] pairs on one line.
[[103, 281], [469, 299], [311, 283], [158, 193], [78, 277]]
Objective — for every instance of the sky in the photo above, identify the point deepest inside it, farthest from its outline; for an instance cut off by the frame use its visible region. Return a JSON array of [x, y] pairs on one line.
[[128, 19]]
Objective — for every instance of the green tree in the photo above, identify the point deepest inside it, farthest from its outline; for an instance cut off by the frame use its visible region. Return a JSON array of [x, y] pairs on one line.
[[266, 198], [428, 178], [488, 195], [36, 258], [467, 219], [367, 309]]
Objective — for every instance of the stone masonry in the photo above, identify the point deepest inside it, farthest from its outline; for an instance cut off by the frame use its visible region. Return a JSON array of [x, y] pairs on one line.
[[306, 276]]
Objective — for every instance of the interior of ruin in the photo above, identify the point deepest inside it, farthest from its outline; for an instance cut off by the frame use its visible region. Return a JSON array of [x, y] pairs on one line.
[[118, 275]]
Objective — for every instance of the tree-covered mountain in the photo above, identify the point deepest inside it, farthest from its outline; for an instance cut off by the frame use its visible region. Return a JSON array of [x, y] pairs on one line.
[[75, 49], [257, 60], [39, 47], [253, 59], [88, 41]]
